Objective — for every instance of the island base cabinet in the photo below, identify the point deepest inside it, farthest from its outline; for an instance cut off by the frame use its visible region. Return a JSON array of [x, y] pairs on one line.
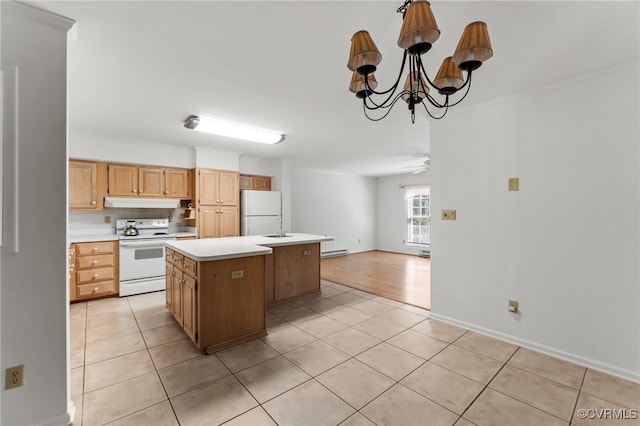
[[190, 305], [231, 302], [296, 272]]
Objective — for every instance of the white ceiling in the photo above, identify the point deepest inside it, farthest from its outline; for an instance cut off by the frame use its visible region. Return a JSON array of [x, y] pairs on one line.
[[137, 70]]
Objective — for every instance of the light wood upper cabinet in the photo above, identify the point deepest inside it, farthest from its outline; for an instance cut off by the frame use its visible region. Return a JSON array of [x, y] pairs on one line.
[[217, 194], [86, 185], [261, 183], [257, 183], [177, 183], [208, 187], [129, 180], [245, 182], [151, 182], [229, 189], [123, 180]]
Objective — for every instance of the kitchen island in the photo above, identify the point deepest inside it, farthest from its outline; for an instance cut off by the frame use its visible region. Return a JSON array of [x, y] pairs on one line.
[[218, 288]]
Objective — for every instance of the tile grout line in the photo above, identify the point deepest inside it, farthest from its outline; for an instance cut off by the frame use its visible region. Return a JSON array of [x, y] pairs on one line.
[[575, 405], [146, 345], [486, 386]]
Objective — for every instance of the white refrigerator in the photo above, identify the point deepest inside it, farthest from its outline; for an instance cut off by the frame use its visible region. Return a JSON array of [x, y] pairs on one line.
[[260, 212]]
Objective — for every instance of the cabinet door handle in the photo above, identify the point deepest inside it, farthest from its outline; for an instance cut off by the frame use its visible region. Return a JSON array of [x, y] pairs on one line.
[[95, 262], [94, 249], [95, 290], [140, 191], [93, 203], [133, 190], [95, 276]]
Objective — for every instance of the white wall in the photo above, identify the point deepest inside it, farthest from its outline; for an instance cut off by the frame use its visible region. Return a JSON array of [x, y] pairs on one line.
[[91, 146], [567, 245], [214, 159], [250, 165], [391, 229], [33, 298], [337, 204]]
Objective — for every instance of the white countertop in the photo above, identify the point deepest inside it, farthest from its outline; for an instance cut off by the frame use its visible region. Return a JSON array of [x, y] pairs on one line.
[[92, 237], [208, 249], [109, 234], [186, 234]]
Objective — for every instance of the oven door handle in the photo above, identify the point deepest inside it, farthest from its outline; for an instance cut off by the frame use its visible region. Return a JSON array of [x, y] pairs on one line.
[[142, 244]]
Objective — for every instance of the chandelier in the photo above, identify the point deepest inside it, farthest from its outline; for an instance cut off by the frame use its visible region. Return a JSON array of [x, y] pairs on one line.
[[418, 33]]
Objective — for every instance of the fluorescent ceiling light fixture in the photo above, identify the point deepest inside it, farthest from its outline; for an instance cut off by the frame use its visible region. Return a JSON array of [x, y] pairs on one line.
[[232, 130]]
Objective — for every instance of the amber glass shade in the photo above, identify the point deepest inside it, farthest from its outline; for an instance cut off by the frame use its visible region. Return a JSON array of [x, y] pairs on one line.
[[364, 56], [474, 46], [419, 89], [357, 85], [419, 28], [449, 78]]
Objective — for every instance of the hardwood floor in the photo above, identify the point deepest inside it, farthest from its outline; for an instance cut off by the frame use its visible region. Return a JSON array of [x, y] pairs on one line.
[[400, 277]]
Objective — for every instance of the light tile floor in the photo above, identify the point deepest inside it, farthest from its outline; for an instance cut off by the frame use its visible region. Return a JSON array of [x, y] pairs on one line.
[[343, 357]]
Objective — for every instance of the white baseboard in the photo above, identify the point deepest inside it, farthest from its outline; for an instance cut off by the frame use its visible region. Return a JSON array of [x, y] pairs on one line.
[[574, 358], [62, 420]]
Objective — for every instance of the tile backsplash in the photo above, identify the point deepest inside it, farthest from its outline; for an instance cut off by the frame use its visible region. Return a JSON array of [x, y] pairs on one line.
[[79, 220]]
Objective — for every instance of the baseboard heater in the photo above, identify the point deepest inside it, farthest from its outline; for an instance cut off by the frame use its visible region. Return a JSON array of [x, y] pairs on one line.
[[334, 253], [424, 253]]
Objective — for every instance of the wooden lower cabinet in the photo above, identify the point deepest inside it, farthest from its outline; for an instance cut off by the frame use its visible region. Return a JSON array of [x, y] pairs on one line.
[[189, 303], [222, 303], [93, 269], [174, 291], [72, 273], [218, 221], [295, 272]]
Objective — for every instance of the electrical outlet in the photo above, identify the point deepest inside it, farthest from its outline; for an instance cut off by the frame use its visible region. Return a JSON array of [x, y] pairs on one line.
[[107, 219], [14, 377], [513, 306]]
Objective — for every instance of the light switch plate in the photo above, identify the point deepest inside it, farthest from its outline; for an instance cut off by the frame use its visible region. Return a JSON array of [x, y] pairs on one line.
[[237, 274], [449, 214], [514, 184]]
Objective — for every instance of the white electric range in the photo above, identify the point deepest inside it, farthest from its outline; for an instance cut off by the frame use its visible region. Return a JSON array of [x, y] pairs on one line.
[[142, 254]]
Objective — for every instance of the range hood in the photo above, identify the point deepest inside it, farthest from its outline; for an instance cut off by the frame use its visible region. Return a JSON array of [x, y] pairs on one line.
[[142, 203]]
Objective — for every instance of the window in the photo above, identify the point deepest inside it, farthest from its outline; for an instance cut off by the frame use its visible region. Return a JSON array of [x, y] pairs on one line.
[[418, 214]]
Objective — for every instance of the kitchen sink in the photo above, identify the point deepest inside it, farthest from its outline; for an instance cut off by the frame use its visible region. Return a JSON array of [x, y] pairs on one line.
[[278, 235]]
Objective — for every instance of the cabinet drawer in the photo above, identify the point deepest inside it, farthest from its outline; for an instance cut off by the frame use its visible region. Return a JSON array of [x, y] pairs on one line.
[[99, 261], [177, 259], [190, 267], [95, 289], [94, 275], [98, 247]]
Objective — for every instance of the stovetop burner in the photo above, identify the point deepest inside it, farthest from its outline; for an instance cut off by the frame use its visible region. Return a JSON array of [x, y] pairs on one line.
[[147, 229]]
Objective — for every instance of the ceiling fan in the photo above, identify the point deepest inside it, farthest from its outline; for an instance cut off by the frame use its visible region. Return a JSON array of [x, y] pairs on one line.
[[425, 167]]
